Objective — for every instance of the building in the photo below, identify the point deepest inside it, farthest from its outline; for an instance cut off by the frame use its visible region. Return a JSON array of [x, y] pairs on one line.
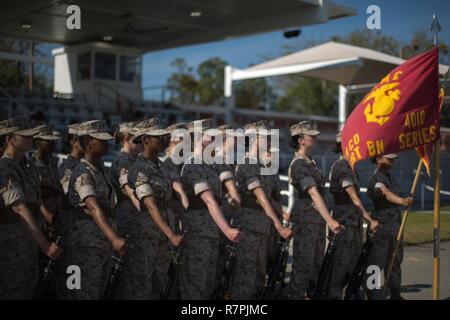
[[98, 68]]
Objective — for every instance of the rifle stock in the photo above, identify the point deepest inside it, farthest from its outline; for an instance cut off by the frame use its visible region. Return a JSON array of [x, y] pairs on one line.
[[320, 291], [114, 275], [170, 290], [223, 291], [43, 286], [275, 281], [355, 281]]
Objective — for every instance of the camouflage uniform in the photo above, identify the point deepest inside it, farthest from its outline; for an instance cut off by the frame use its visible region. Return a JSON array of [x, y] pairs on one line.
[[349, 244], [118, 175], [51, 190], [87, 246], [63, 221], [173, 173], [18, 252], [69, 164], [65, 170], [309, 226], [65, 217], [389, 217], [148, 257], [198, 270], [225, 172], [33, 175], [274, 181], [250, 272], [272, 248], [125, 211]]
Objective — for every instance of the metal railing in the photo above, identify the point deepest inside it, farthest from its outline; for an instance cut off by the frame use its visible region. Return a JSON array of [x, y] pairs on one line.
[[114, 97]]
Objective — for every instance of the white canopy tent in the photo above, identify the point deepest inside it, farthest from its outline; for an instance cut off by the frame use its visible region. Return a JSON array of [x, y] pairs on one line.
[[353, 68]]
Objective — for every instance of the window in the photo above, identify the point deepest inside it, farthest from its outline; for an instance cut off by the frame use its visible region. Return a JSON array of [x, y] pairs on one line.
[[130, 69], [105, 66], [84, 66]]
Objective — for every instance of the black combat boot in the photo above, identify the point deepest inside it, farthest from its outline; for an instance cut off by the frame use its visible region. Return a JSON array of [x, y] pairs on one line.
[[395, 294]]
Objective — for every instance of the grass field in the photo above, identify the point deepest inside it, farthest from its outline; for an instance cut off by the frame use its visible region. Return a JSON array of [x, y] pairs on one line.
[[419, 227]]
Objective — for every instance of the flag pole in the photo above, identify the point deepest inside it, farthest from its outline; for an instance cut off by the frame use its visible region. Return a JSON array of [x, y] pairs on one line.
[[435, 28], [436, 220], [399, 238]]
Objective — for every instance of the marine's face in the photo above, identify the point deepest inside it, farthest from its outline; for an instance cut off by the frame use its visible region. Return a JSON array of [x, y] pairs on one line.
[[174, 142], [134, 147], [158, 143], [262, 141], [229, 145], [206, 140], [24, 143], [75, 143], [149, 142], [98, 147], [308, 141], [163, 141], [48, 146], [385, 163]]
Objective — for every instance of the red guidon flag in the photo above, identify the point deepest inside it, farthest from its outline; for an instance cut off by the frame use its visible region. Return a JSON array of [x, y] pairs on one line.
[[401, 112], [423, 149]]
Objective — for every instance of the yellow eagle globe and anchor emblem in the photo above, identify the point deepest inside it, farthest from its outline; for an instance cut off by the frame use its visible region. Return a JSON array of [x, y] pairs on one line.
[[384, 100]]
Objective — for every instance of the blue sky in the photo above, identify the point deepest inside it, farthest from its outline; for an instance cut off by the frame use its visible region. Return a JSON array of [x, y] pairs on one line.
[[399, 18]]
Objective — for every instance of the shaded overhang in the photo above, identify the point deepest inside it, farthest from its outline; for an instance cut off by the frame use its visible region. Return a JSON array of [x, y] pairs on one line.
[[160, 24], [341, 63]]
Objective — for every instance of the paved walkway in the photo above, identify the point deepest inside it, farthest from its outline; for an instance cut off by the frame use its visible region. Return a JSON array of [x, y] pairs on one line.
[[417, 270]]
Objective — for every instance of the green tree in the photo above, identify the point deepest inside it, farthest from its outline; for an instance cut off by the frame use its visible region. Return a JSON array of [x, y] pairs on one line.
[[374, 40], [182, 82], [422, 41], [211, 81], [310, 96], [249, 94], [207, 87], [14, 75]]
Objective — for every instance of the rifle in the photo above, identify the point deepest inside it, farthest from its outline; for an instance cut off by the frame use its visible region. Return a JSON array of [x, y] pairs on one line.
[[277, 273], [171, 288], [223, 290], [275, 281], [42, 289], [50, 230], [355, 281], [320, 290], [114, 275]]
